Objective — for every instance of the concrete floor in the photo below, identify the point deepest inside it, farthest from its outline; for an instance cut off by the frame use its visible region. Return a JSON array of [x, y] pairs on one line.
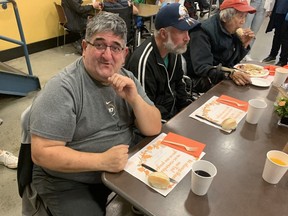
[[46, 64]]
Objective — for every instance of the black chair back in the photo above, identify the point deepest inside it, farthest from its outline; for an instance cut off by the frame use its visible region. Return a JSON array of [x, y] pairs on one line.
[[126, 13]]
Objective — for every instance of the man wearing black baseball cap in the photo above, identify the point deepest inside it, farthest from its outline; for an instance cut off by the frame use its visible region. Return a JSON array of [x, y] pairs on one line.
[[217, 44], [157, 61]]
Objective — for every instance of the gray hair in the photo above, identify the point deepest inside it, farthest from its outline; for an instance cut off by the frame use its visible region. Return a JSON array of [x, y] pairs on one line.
[[227, 14], [106, 22], [156, 32]]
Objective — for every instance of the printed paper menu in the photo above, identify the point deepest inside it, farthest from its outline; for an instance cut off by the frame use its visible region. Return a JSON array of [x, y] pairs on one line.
[[174, 163], [217, 112]]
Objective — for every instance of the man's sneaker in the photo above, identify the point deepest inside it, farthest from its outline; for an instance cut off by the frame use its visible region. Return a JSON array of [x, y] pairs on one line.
[[269, 59], [8, 160], [281, 63]]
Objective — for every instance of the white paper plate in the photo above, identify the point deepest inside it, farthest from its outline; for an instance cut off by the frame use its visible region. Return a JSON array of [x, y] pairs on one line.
[[261, 72], [260, 82]]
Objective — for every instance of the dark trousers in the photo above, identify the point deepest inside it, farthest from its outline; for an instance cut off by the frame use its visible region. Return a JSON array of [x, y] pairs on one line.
[[69, 198], [280, 39]]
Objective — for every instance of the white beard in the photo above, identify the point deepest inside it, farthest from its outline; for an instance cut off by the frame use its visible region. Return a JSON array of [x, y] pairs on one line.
[[172, 48]]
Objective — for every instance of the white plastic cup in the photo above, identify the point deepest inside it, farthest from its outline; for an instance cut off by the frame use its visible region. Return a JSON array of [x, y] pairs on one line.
[[255, 110], [274, 170], [200, 184], [281, 75]]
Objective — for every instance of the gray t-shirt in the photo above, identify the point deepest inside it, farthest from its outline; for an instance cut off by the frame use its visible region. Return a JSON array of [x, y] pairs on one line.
[[87, 115]]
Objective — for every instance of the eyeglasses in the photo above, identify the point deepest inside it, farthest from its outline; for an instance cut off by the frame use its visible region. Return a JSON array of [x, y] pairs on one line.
[[100, 46]]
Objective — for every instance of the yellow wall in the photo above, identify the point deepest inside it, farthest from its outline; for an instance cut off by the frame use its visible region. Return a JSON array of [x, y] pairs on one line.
[[39, 21]]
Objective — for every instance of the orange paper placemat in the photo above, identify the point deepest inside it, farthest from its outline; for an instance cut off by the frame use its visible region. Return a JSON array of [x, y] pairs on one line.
[[186, 141], [222, 99]]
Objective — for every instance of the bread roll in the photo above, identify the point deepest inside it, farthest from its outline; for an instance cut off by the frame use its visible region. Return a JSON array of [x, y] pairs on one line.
[[240, 32], [229, 124], [159, 180]]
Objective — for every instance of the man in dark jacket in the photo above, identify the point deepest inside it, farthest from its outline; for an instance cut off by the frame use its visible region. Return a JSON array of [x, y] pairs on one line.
[[157, 61], [77, 15], [215, 44]]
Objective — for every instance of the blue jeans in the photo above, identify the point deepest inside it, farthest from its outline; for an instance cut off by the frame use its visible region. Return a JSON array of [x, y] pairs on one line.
[[254, 21]]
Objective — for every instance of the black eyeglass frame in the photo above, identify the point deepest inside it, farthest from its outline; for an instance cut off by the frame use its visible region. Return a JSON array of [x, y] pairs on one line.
[[113, 48]]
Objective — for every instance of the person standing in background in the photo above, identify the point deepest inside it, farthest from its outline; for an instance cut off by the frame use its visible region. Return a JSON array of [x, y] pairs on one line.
[[280, 38], [254, 21]]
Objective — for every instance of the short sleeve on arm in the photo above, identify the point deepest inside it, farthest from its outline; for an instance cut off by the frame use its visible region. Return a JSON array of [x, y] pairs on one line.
[[53, 112]]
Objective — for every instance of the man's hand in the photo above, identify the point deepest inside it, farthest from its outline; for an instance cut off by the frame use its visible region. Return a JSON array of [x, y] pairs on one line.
[[240, 78], [147, 117], [115, 159], [124, 87], [246, 37]]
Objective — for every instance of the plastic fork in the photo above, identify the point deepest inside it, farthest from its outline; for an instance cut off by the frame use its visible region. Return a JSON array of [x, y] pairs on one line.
[[188, 148], [231, 101]]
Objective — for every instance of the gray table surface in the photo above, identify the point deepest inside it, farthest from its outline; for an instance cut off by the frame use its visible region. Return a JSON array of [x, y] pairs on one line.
[[238, 188]]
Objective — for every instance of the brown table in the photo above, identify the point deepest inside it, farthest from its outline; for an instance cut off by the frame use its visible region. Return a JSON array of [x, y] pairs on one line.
[[238, 188]]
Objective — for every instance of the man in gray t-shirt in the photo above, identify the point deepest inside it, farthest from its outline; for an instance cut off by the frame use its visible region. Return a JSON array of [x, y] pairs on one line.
[[82, 122]]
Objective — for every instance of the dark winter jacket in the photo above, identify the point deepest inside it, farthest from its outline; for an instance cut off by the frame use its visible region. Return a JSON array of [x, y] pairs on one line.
[[211, 45], [164, 87]]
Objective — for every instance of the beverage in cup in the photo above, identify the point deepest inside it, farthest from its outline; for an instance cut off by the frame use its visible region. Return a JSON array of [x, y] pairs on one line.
[[202, 176], [276, 165]]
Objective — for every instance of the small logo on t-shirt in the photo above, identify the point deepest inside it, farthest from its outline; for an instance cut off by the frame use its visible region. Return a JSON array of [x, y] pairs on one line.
[[111, 108]]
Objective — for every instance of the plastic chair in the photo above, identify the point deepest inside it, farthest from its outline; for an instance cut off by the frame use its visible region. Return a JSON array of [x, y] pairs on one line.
[[32, 204], [62, 21]]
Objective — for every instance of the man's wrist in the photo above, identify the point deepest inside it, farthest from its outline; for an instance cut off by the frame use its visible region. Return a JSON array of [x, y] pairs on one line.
[[231, 74], [228, 74]]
